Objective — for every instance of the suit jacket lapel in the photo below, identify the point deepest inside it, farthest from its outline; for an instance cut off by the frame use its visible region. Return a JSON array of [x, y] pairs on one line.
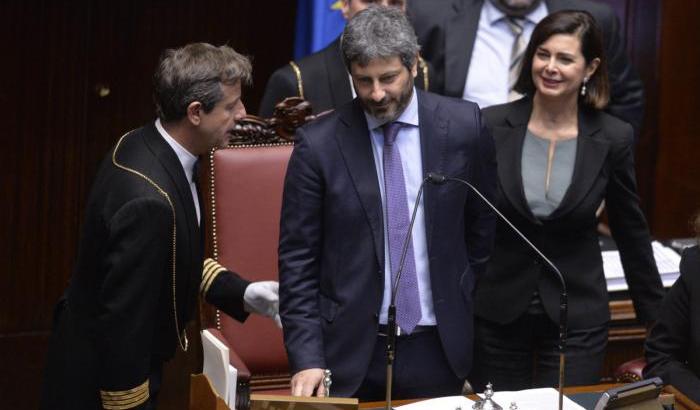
[[356, 147], [460, 35], [590, 157], [433, 127], [338, 77], [509, 141], [182, 199], [169, 161]]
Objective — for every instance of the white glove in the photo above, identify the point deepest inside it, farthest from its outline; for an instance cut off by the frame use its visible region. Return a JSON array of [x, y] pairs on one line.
[[263, 298]]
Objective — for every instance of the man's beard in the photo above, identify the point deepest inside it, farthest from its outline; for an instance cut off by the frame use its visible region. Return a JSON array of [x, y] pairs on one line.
[[516, 8], [390, 109]]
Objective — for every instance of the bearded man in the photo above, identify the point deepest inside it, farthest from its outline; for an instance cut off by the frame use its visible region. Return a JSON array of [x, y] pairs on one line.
[[351, 186]]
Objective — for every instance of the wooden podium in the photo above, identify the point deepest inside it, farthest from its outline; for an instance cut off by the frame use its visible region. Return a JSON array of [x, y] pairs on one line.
[[203, 397]]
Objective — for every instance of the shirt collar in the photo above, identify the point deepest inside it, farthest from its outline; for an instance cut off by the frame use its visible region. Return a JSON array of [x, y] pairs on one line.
[[494, 15], [187, 159], [408, 116]]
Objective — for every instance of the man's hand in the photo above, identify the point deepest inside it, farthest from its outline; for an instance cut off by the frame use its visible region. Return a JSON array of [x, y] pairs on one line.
[[306, 381], [263, 298]]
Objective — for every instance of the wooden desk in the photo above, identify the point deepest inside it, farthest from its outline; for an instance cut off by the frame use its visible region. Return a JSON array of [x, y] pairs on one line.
[[681, 401]]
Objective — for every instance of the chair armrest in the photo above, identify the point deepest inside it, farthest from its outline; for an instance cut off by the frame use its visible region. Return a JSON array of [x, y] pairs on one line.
[[630, 371]]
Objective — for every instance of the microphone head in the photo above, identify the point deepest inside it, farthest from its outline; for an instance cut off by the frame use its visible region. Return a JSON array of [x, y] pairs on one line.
[[436, 178]]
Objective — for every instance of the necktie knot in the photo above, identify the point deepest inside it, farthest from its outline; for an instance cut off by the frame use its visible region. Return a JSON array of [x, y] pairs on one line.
[[391, 131], [515, 25]]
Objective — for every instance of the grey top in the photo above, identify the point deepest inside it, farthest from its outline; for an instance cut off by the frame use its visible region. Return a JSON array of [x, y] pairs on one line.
[[544, 190]]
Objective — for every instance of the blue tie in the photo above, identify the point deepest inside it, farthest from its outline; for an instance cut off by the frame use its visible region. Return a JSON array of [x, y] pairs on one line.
[[408, 311]]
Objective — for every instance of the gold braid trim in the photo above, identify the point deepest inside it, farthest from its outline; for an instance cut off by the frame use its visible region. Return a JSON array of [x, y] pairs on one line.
[[423, 66], [212, 269], [183, 344], [297, 73], [125, 399]]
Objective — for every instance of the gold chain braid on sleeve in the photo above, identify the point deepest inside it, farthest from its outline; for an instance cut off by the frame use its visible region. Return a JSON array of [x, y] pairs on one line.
[[297, 73], [125, 399]]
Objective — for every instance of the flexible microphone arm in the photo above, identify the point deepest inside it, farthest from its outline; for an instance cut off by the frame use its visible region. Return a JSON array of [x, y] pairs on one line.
[[391, 312], [563, 300]]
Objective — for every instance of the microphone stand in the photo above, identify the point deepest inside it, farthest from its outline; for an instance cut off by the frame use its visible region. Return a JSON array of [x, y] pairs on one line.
[[563, 299], [391, 312]]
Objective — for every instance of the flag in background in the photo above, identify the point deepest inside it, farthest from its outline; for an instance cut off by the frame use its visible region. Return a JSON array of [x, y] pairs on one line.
[[319, 22]]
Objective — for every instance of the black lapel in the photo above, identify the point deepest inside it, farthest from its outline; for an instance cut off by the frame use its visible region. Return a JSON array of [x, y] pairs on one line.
[[183, 203], [338, 77], [170, 162], [591, 152], [460, 35], [356, 147], [509, 151], [433, 127]]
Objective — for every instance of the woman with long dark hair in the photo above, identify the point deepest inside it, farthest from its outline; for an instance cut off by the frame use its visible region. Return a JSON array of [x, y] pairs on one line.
[[559, 157]]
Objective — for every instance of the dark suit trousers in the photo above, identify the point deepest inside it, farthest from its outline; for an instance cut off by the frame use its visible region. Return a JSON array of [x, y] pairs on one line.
[[524, 354], [421, 369]]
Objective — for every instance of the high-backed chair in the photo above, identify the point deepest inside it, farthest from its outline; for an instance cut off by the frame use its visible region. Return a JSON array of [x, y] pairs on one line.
[[245, 182]]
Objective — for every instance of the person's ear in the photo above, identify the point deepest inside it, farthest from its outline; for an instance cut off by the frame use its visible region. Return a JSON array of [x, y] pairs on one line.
[[592, 67], [345, 9], [194, 112]]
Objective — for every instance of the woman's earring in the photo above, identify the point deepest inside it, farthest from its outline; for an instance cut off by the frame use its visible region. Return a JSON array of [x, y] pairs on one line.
[[583, 87]]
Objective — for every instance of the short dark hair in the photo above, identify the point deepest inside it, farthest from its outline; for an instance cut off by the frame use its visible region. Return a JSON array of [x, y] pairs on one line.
[[582, 25], [379, 32], [196, 72]]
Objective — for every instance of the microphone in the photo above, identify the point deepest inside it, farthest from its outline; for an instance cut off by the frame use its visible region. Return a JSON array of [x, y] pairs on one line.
[[391, 311], [439, 179]]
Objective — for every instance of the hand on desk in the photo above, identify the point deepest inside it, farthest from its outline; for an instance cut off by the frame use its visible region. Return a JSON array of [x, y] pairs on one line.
[[263, 298], [306, 381]]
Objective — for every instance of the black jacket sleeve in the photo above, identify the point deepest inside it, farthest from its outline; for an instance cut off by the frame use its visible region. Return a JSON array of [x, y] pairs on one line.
[[137, 261], [224, 289], [671, 349]]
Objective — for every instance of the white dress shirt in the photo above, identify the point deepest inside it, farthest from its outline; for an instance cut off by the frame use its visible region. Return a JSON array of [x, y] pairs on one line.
[[408, 143], [487, 76], [187, 160]]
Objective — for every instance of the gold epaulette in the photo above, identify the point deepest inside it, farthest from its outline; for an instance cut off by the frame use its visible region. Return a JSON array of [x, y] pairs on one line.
[[211, 270], [297, 73], [423, 66], [125, 399]]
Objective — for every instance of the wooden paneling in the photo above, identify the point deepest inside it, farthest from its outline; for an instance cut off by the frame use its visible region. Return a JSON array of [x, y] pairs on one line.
[[677, 182]]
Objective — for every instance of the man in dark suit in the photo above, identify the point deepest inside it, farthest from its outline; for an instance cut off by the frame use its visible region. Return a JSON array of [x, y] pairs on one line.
[[673, 346], [321, 78], [469, 44], [139, 267], [351, 186]]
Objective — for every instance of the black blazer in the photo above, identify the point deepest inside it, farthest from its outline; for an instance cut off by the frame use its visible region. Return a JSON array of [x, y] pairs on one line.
[[115, 323], [604, 170], [673, 347], [447, 31], [331, 251], [325, 80]]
